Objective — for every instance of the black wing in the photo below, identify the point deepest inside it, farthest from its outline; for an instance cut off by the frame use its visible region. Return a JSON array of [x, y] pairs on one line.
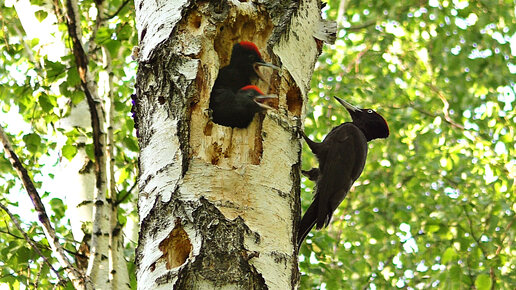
[[345, 160]]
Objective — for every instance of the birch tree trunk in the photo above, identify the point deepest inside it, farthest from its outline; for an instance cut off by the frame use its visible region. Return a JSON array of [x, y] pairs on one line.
[[219, 206], [93, 202]]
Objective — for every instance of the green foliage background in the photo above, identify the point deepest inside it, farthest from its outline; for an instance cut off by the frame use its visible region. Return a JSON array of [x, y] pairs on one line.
[[435, 204], [43, 88]]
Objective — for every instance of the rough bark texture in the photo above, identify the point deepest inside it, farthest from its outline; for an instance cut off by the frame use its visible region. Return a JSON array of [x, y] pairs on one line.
[[219, 206]]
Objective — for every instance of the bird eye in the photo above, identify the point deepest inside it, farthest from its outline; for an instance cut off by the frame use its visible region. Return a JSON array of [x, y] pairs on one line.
[[370, 111]]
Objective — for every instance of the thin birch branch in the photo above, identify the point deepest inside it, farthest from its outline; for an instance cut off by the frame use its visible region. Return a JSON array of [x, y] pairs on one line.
[[74, 274], [30, 241]]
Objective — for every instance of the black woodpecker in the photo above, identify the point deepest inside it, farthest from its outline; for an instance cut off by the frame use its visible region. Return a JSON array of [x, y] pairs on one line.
[[342, 156], [238, 109], [242, 69]]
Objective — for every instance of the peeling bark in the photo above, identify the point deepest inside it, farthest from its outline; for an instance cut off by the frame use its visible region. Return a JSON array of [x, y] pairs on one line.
[[218, 206]]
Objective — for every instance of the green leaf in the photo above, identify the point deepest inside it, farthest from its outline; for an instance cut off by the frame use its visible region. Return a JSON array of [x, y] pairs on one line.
[[119, 106], [54, 69], [6, 107], [73, 79], [448, 255], [69, 151], [46, 103], [113, 45], [103, 35], [32, 141], [131, 144], [129, 125], [124, 33], [58, 207], [77, 97], [433, 228], [483, 282], [41, 15], [34, 42], [124, 174], [23, 254], [90, 151]]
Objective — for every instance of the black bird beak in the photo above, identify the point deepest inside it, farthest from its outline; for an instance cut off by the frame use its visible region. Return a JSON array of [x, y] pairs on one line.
[[262, 63], [351, 109], [258, 100]]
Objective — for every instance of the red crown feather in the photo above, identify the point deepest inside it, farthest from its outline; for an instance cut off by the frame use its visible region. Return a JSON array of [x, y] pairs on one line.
[[251, 87], [251, 46]]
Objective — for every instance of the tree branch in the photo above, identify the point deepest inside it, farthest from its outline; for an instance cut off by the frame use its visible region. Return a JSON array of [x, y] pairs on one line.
[[361, 26], [118, 10], [506, 233], [31, 242], [446, 106], [356, 61], [74, 274], [122, 198], [40, 245], [82, 66], [90, 44], [341, 11], [29, 52]]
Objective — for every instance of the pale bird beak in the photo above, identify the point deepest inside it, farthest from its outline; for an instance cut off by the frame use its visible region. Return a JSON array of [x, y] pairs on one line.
[[347, 105], [260, 75], [264, 98]]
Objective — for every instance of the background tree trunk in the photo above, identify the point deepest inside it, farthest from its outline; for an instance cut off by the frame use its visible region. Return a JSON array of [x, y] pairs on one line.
[[218, 206]]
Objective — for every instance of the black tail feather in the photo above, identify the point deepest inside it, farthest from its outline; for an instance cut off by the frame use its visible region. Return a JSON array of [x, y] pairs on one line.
[[307, 223]]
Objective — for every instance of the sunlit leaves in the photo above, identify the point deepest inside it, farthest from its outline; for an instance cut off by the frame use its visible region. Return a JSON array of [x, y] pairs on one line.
[[69, 151], [41, 15], [39, 79], [483, 282], [54, 69], [32, 141], [57, 207]]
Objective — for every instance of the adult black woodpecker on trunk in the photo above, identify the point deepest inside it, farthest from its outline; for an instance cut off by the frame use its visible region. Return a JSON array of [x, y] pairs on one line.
[[238, 109], [243, 68], [342, 156]]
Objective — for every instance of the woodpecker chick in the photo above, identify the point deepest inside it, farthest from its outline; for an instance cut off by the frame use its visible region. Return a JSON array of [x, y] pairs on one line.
[[342, 156], [237, 110], [243, 67]]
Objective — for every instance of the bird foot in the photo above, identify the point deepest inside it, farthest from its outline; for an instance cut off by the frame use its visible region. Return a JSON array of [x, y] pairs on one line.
[[312, 174]]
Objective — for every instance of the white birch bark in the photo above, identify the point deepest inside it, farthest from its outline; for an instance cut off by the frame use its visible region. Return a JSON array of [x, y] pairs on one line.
[[118, 274], [218, 206], [75, 179], [98, 266]]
